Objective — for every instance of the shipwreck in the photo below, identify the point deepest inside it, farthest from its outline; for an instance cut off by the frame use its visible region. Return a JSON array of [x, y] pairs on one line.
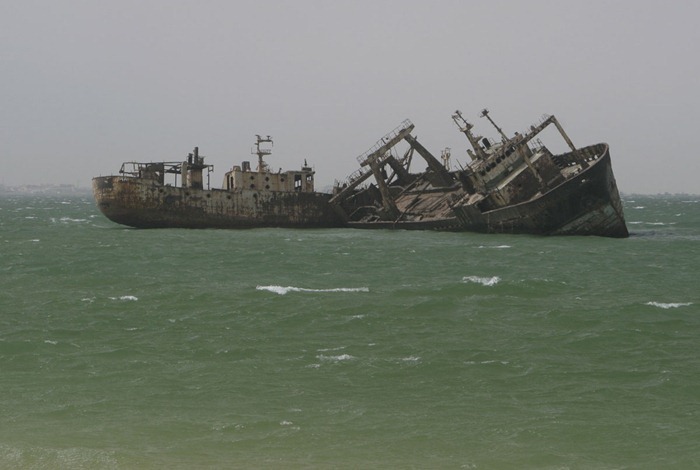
[[511, 185]]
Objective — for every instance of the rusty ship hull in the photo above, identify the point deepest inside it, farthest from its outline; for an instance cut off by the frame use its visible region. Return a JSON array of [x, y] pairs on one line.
[[141, 203], [587, 204], [173, 195], [513, 186]]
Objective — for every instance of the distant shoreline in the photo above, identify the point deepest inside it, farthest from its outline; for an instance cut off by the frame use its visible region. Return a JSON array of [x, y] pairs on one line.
[[60, 189]]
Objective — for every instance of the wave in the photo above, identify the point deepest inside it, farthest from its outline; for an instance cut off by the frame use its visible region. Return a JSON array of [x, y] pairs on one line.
[[125, 297], [669, 305], [484, 281], [496, 246], [284, 290], [342, 357], [66, 220], [411, 359], [637, 222]]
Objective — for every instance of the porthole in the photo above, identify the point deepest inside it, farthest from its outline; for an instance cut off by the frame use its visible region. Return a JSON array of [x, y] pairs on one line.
[[252, 186]]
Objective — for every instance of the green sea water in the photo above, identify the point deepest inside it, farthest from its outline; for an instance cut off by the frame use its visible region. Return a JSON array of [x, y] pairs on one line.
[[271, 348]]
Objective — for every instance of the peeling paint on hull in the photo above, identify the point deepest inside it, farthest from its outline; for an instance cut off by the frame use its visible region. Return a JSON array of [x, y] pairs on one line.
[[141, 203]]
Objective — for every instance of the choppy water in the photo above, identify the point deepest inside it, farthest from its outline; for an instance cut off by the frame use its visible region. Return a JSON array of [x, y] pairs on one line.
[[272, 348]]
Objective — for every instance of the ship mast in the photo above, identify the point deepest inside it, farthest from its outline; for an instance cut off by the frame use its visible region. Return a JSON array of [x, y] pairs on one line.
[[262, 151], [485, 113], [466, 128]]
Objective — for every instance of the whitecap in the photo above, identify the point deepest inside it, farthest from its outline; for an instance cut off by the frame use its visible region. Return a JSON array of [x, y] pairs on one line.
[[486, 362], [35, 240], [68, 219], [331, 349], [125, 297], [638, 207], [666, 306], [342, 357], [411, 359], [284, 290], [496, 247], [484, 281], [286, 423], [48, 341]]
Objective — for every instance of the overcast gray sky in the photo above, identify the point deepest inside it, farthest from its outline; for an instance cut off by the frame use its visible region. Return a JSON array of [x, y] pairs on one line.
[[87, 84]]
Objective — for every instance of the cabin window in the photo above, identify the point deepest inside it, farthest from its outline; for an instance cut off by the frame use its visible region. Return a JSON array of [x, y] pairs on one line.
[[297, 182]]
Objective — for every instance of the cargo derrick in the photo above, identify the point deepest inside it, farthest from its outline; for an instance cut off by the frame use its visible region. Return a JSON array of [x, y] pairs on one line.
[[387, 200]]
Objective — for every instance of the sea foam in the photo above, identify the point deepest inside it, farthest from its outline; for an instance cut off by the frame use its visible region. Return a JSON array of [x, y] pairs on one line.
[[484, 281], [669, 305], [284, 290], [125, 297], [342, 357]]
